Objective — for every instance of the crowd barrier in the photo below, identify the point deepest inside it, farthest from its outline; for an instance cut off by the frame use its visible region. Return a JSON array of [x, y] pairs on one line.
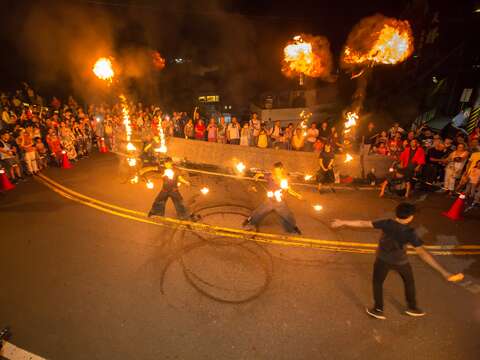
[[226, 156]]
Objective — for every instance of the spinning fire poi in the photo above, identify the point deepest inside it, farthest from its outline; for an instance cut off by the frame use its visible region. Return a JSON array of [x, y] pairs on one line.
[[307, 55]]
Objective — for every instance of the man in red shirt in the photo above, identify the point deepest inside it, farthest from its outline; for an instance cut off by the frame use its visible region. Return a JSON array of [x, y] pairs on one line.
[[411, 161]]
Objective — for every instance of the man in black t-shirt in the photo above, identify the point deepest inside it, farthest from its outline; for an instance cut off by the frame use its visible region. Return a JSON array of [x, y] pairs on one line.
[[392, 255]]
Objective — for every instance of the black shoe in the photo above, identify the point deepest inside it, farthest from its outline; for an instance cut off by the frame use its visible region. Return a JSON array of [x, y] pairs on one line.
[[415, 312], [376, 313], [150, 214], [296, 231], [195, 217], [246, 222]]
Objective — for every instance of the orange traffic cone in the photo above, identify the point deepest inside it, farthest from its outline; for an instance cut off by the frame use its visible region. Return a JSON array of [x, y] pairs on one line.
[[65, 162], [456, 211], [5, 183], [103, 148]]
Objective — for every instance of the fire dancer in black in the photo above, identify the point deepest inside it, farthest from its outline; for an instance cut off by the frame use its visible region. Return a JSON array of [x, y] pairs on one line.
[[171, 180], [392, 255]]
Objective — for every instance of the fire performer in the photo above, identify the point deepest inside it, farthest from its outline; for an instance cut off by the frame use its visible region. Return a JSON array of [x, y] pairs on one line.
[[392, 255], [277, 184], [171, 180]]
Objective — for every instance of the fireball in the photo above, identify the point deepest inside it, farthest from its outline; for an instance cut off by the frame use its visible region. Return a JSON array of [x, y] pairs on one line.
[[103, 69], [378, 40], [307, 55]]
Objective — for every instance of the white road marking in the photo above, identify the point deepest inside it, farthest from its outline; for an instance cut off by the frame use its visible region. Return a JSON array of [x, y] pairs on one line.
[[12, 352]]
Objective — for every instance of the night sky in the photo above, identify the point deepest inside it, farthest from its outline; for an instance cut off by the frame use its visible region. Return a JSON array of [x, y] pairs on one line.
[[51, 42]]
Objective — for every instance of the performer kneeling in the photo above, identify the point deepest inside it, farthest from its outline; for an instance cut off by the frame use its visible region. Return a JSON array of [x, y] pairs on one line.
[[171, 180], [277, 183]]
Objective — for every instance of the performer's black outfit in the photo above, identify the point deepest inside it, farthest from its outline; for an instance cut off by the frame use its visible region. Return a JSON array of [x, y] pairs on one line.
[[169, 190]]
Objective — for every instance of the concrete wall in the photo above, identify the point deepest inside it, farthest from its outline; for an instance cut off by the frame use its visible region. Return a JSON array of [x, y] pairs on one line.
[[295, 161]]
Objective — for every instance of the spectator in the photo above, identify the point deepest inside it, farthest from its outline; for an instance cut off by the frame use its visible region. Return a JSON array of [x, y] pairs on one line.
[[435, 161], [262, 141], [288, 135], [67, 140], [42, 154], [245, 135], [9, 157], [189, 130], [396, 183], [200, 130], [28, 148], [276, 134], [222, 131], [395, 129], [54, 145], [472, 180], [412, 159], [233, 132], [323, 132], [298, 140], [311, 137], [212, 130], [455, 163], [255, 127], [368, 139]]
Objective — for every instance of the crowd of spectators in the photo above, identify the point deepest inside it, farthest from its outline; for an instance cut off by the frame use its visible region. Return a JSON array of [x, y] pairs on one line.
[[35, 135]]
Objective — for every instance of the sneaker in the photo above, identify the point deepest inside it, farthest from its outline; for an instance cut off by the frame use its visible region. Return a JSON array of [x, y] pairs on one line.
[[246, 222], [376, 313], [297, 231], [416, 312]]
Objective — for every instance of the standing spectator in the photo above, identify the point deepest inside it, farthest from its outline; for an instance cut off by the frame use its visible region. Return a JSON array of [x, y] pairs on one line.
[[324, 132], [255, 126], [189, 130], [475, 134], [233, 132], [368, 139], [395, 129], [435, 160], [245, 135], [212, 130], [455, 163], [200, 130], [473, 180], [288, 135], [298, 140], [222, 131], [42, 154], [68, 141], [29, 152], [54, 145], [312, 134]]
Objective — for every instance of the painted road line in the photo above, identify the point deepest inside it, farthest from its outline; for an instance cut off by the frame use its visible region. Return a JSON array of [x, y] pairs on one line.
[[241, 234], [12, 352]]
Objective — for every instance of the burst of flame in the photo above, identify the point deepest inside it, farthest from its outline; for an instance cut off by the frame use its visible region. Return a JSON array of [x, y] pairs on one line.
[[379, 40], [134, 180], [307, 55], [205, 190], [103, 69], [284, 184], [150, 184], [157, 60], [132, 162], [126, 123], [352, 118], [168, 173], [307, 177], [317, 207], [161, 133], [240, 167], [348, 158]]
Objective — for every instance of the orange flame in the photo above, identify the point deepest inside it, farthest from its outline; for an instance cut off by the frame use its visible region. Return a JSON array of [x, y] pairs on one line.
[[103, 69], [307, 55], [378, 40], [157, 60]]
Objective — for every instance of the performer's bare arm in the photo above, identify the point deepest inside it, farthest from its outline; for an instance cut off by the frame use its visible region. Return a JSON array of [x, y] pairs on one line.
[[430, 260], [352, 223], [183, 181]]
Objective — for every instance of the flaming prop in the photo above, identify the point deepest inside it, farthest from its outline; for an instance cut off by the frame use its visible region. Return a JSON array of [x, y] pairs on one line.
[[240, 167], [348, 158], [103, 69], [307, 55], [163, 146], [317, 207], [378, 40], [204, 190]]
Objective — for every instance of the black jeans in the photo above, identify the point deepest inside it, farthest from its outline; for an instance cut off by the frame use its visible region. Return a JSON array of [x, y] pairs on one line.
[[380, 272], [158, 207]]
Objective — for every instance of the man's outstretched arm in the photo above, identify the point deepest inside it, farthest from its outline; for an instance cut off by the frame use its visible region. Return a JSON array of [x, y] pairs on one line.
[[352, 223], [430, 260]]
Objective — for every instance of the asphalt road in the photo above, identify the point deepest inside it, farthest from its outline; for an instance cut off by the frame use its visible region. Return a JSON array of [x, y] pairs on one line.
[[79, 283]]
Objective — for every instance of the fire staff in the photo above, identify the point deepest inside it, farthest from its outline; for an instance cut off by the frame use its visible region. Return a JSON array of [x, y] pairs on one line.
[[171, 180], [277, 186]]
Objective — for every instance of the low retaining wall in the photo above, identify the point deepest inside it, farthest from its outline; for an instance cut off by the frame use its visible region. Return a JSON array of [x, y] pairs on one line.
[[224, 155]]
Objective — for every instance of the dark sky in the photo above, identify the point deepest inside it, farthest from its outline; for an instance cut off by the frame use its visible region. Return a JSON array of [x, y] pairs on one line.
[[49, 41]]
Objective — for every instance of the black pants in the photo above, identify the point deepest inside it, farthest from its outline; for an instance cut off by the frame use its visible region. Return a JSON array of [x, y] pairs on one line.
[[380, 272], [158, 206]]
